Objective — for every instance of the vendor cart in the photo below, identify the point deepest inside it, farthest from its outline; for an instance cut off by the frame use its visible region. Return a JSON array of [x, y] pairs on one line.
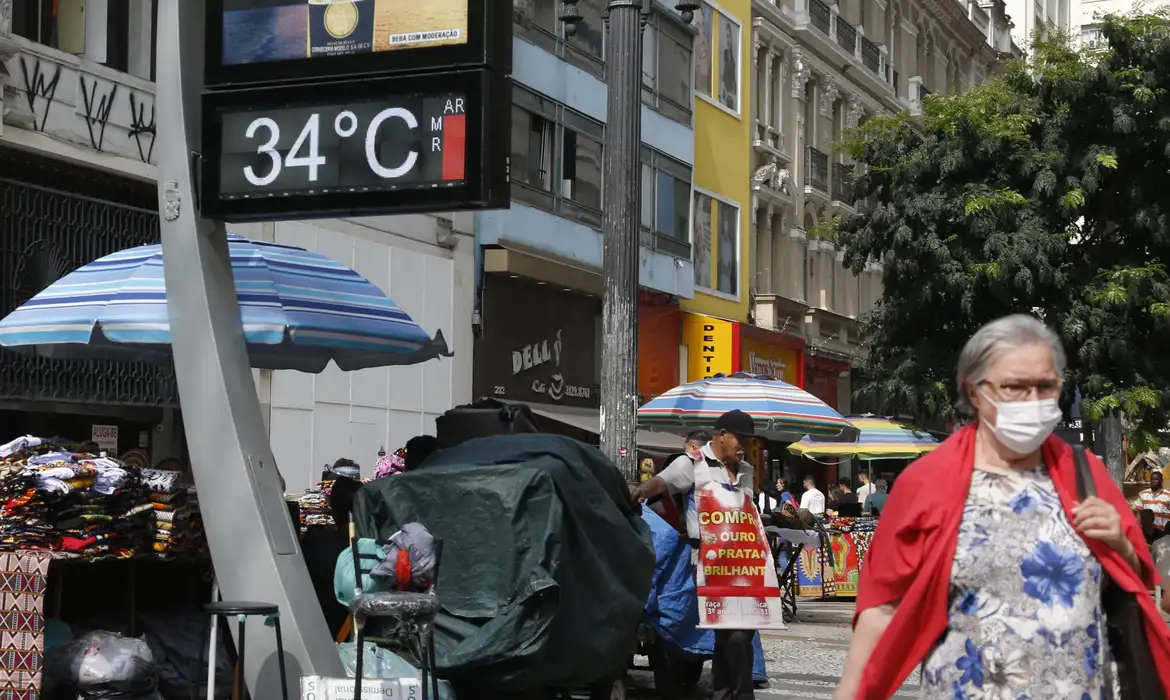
[[547, 564]]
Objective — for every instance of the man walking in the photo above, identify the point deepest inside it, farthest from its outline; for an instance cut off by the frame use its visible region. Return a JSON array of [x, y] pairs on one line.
[[731, 667]]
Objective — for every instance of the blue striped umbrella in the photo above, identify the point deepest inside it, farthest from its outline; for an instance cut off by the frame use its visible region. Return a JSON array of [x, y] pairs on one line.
[[299, 311], [778, 409]]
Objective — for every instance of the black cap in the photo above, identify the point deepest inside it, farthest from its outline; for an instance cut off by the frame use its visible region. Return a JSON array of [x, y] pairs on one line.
[[736, 422]]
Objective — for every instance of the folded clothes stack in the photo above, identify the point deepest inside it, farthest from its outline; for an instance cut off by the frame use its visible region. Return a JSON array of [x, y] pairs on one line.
[[314, 505], [52, 497], [197, 537], [846, 524], [178, 528]]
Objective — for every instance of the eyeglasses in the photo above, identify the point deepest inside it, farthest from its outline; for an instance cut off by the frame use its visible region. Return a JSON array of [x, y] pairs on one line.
[[1021, 391]]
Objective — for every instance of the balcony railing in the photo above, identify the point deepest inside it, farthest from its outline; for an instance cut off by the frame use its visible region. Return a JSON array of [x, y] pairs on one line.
[[846, 36], [816, 169], [843, 183], [820, 14], [870, 56], [826, 20]]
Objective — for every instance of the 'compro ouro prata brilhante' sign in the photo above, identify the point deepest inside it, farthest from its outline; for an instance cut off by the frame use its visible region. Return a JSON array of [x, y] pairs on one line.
[[318, 108], [736, 575]]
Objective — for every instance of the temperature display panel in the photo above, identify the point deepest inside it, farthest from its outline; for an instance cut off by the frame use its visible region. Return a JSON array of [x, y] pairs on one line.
[[415, 141], [363, 147]]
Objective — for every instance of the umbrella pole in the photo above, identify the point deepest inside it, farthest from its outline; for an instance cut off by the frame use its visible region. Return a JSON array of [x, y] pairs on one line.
[[253, 544], [870, 484]]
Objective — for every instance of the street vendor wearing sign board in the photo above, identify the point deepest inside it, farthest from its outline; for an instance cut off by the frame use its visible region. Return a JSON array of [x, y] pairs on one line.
[[735, 575]]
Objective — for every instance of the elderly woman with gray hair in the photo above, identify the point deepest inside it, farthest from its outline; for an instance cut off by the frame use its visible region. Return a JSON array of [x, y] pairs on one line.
[[986, 569]]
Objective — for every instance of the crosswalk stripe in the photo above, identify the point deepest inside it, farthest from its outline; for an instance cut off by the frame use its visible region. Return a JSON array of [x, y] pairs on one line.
[[808, 686]]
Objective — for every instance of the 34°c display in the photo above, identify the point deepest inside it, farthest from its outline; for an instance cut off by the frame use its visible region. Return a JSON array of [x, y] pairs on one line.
[[395, 143]]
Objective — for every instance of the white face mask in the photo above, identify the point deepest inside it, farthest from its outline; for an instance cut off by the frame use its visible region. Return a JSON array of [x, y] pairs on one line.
[[1023, 426]]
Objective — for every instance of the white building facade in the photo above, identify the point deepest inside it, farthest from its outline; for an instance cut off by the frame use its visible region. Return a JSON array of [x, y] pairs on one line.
[[77, 182], [1031, 16], [820, 69], [1087, 14]]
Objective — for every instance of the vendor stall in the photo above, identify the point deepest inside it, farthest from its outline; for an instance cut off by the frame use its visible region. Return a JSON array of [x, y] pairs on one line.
[[61, 506], [833, 569]]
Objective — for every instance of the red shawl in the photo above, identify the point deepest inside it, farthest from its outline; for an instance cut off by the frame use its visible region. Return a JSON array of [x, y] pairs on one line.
[[910, 560]]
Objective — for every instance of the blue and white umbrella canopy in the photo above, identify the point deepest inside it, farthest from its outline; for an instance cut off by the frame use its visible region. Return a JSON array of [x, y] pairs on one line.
[[299, 311]]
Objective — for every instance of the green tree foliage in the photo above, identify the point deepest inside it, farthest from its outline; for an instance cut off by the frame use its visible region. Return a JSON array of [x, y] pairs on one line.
[[1045, 191]]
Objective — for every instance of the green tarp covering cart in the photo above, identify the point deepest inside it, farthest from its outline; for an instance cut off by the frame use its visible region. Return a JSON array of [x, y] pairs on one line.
[[546, 566]]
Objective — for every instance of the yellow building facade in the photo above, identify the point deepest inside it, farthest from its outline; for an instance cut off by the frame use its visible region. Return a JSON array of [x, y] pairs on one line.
[[721, 201]]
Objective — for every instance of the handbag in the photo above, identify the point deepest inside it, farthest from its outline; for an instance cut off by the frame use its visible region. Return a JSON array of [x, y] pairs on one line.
[[1124, 620]]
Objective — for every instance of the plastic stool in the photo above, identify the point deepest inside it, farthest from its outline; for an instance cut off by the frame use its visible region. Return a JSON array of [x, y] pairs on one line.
[[242, 611]]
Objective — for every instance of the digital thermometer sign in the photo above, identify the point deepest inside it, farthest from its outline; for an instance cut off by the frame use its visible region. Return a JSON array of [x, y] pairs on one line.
[[409, 142], [342, 149]]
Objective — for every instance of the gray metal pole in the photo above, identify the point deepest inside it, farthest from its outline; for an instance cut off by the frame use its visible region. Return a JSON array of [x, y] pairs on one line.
[[253, 544], [621, 186], [621, 198]]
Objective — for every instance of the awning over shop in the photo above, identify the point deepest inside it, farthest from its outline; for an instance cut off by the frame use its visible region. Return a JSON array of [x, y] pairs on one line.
[[514, 259], [589, 420]]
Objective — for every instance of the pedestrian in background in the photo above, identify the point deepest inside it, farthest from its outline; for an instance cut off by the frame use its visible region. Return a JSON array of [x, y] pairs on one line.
[[867, 488], [985, 569], [876, 503], [1155, 499], [812, 499]]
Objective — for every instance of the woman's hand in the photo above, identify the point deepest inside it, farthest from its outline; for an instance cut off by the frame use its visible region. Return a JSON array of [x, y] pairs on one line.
[[1096, 519]]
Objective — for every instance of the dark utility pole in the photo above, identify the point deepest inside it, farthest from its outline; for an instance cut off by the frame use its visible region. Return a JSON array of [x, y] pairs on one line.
[[621, 195]]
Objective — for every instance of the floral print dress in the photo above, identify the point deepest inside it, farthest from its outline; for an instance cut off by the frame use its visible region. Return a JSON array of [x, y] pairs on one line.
[[1025, 614]]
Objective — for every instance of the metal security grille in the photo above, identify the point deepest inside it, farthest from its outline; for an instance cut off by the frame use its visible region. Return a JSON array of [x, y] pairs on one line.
[[54, 218]]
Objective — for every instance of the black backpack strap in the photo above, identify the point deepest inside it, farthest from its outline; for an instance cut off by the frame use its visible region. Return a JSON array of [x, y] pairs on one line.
[[1086, 485]]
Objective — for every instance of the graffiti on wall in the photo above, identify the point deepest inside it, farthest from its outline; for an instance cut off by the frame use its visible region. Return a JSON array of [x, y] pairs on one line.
[[77, 105]]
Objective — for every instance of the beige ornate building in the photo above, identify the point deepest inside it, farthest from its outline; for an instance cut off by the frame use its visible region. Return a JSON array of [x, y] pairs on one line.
[[819, 69]]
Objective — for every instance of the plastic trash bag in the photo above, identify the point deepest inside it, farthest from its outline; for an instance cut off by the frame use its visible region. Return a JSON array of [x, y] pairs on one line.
[[1160, 550], [101, 666], [177, 637], [383, 663], [410, 558], [370, 555]]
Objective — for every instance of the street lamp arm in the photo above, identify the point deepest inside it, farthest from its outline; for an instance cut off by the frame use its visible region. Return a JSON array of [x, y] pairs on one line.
[[570, 15]]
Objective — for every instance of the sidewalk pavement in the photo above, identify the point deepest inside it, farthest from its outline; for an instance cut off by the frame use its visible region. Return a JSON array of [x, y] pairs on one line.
[[804, 661]]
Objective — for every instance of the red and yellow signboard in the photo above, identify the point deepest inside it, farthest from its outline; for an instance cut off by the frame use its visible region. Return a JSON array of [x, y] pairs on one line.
[[775, 361], [716, 345], [712, 346], [737, 583]]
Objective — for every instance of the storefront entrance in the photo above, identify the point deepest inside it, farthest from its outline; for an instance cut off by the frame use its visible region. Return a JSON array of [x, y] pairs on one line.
[[538, 344]]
